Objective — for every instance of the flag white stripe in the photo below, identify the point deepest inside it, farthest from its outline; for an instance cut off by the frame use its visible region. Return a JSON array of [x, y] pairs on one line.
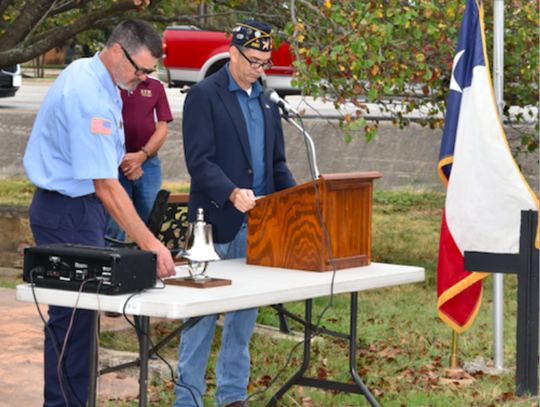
[[486, 192]]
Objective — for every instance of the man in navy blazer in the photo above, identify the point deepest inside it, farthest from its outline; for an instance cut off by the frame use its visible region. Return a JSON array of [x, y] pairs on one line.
[[234, 149]]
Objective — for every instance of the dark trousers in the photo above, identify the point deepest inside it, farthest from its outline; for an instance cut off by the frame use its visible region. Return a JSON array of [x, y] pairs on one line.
[[61, 219]]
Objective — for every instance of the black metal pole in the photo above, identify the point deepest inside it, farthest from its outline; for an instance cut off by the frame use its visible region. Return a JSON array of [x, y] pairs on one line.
[[352, 352], [527, 318], [305, 363], [143, 355], [525, 265], [94, 343]]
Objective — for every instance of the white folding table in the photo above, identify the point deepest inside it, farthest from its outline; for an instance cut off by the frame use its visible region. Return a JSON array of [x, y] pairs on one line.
[[252, 286]]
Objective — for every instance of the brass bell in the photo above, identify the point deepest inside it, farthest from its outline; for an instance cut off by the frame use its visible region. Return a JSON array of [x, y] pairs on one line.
[[199, 247]]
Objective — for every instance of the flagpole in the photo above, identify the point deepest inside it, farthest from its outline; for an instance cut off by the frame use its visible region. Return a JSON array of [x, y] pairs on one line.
[[498, 82]]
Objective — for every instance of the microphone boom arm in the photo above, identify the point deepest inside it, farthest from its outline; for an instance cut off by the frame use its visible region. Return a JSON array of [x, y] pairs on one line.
[[308, 138]]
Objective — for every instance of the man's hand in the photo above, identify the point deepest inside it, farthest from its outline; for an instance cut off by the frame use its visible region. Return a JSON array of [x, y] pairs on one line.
[[138, 173], [165, 263], [243, 199], [131, 165]]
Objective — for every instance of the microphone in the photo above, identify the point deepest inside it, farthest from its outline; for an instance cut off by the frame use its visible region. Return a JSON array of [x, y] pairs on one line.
[[273, 96]]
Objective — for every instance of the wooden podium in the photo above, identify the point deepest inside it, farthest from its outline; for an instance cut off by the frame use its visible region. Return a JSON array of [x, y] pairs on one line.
[[284, 229]]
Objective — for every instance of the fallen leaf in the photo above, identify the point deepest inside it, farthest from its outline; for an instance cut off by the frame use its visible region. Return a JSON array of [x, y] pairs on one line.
[[307, 402], [322, 373], [265, 380]]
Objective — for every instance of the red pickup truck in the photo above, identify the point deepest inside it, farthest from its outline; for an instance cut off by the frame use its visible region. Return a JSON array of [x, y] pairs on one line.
[[191, 54]]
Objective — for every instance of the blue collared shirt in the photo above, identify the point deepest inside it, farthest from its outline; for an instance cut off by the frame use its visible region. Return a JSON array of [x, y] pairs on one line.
[[255, 126], [78, 134]]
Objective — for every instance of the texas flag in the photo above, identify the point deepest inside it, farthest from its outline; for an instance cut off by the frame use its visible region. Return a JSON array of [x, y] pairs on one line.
[[486, 192]]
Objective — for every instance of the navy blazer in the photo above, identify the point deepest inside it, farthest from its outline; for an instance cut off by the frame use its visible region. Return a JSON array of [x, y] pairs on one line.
[[218, 155]]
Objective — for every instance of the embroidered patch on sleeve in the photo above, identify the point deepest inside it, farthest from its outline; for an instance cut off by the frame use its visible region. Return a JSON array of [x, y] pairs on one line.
[[101, 126]]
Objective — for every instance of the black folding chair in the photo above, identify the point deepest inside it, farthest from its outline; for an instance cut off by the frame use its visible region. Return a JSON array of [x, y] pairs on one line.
[[155, 219]]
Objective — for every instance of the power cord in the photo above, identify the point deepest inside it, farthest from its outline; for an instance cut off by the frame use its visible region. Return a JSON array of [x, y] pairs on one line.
[[141, 332], [68, 331], [54, 340]]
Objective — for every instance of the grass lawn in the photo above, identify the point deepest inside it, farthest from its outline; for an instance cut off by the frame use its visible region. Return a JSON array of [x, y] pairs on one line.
[[402, 344]]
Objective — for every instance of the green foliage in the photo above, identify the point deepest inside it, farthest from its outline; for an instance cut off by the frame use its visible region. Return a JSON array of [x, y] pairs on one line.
[[398, 54], [390, 52]]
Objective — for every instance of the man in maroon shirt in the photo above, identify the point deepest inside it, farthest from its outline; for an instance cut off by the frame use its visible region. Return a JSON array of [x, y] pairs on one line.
[[146, 113]]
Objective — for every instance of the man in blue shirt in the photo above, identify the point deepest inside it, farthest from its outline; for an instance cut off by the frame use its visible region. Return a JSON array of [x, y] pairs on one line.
[[72, 157], [234, 150]]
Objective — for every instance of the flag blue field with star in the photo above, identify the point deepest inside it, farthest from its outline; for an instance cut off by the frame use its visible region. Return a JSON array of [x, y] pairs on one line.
[[469, 53]]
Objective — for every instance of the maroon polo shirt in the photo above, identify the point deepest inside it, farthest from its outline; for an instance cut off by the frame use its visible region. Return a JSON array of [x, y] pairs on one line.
[[142, 108]]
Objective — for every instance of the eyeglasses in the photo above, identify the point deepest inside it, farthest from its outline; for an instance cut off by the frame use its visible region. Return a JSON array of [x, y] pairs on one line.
[[138, 71], [256, 65]]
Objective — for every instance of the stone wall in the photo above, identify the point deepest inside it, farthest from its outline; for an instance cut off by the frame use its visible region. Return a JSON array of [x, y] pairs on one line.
[[405, 158]]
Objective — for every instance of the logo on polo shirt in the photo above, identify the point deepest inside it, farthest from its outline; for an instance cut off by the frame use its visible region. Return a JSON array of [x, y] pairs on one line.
[[147, 93]]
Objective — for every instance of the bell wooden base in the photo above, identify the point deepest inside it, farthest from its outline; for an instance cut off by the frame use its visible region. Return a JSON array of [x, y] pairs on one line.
[[202, 283]]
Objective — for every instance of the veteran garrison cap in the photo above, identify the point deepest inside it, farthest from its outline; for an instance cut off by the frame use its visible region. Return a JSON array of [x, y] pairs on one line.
[[253, 34]]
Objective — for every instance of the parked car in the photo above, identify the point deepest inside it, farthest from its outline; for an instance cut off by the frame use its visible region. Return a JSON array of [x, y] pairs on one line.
[[191, 54], [10, 80]]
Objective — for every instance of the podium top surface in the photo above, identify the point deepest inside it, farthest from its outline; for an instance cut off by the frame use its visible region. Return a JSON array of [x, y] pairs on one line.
[[252, 286], [367, 176]]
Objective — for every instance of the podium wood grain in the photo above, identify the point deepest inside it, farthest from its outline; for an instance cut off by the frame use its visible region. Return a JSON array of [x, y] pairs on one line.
[[284, 229]]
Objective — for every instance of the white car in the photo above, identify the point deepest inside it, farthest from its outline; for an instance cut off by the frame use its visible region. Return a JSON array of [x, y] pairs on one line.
[[10, 80]]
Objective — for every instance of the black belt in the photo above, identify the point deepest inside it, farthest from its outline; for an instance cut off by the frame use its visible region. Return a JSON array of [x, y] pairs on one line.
[[47, 191]]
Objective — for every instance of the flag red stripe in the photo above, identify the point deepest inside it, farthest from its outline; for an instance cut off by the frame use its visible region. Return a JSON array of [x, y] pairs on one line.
[[461, 307]]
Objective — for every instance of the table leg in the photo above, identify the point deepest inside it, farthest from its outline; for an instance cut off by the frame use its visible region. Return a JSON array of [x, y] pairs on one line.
[[352, 352], [143, 355], [305, 363], [298, 379], [94, 343]]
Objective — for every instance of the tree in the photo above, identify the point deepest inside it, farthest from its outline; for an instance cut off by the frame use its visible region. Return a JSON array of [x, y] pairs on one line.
[[31, 28]]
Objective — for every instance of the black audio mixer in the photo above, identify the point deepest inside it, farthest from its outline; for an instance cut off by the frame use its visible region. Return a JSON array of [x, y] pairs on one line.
[[114, 270]]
